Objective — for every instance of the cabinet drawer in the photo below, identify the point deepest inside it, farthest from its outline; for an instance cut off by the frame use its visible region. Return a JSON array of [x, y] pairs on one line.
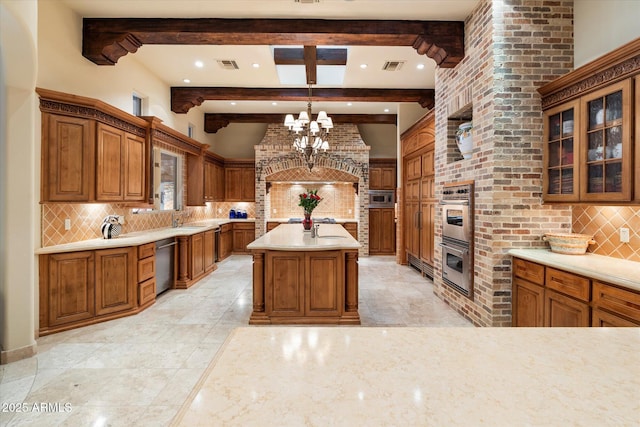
[[145, 251], [226, 227], [146, 269], [568, 284], [620, 301], [146, 292], [530, 271], [244, 226]]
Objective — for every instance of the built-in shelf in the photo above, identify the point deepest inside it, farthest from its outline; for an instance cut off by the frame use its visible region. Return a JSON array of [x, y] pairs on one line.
[[454, 121]]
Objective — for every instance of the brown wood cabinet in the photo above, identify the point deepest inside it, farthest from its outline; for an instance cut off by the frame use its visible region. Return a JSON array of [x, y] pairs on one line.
[[382, 231], [314, 287], [352, 228], [382, 174], [209, 242], [67, 289], [146, 274], [546, 296], [417, 211], [240, 182], [120, 165], [226, 241], [81, 288], [196, 258], [213, 178], [85, 159], [243, 234], [116, 280], [589, 142], [196, 246], [68, 155]]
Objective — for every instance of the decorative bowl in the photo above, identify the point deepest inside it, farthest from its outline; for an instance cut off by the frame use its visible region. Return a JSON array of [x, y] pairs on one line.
[[568, 243]]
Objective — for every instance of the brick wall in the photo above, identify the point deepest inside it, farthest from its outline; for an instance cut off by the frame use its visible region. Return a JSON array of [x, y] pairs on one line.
[[275, 157], [512, 48]]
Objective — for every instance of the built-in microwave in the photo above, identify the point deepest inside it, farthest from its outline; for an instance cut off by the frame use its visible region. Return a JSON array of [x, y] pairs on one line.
[[382, 198]]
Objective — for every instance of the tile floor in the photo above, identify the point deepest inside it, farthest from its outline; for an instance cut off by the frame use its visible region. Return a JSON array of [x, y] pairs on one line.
[[139, 370]]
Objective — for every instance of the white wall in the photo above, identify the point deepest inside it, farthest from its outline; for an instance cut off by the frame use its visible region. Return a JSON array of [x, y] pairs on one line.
[[63, 68], [381, 138], [236, 140], [19, 227], [601, 26]]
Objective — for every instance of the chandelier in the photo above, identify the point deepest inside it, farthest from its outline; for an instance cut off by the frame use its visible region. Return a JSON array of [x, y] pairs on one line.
[[309, 136]]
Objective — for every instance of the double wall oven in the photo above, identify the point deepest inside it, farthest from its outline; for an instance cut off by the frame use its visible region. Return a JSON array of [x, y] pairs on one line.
[[457, 237]]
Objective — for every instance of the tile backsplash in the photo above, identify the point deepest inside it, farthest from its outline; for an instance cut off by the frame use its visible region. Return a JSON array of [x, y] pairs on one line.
[[86, 219], [604, 223], [338, 200]]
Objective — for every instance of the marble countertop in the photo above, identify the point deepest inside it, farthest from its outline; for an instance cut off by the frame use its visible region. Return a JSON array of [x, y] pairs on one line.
[[139, 237], [338, 220], [292, 237], [420, 376], [608, 269]]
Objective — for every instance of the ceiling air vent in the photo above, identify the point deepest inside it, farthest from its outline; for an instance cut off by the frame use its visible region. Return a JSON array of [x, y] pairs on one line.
[[228, 64], [393, 65]]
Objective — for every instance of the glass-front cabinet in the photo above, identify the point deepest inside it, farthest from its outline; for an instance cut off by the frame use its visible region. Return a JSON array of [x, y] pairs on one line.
[[560, 155], [607, 148], [588, 147]]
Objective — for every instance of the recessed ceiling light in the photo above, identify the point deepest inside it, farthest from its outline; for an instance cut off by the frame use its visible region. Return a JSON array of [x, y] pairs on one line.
[[186, 80], [255, 65], [386, 110], [233, 103], [420, 66], [363, 66], [349, 104], [199, 64], [274, 103]]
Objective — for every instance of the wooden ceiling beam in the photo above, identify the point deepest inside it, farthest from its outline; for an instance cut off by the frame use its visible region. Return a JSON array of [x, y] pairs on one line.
[[295, 56], [185, 98], [213, 122], [105, 40], [310, 64]]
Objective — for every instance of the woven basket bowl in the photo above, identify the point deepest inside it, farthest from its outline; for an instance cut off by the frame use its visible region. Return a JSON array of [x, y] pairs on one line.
[[568, 243]]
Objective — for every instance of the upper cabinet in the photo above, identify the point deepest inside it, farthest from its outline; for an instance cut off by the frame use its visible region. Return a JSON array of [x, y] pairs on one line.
[[240, 181], [382, 174], [91, 152], [589, 144]]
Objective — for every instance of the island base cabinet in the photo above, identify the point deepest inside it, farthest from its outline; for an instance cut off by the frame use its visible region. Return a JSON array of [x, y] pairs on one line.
[[304, 288], [600, 318]]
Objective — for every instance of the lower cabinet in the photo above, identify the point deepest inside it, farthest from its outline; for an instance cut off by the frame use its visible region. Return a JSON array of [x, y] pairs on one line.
[[81, 288], [196, 257], [304, 284], [382, 231], [226, 241], [352, 228], [243, 234], [546, 296], [116, 280]]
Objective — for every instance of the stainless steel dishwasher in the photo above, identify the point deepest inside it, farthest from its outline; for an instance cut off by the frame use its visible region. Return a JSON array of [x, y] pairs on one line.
[[165, 262]]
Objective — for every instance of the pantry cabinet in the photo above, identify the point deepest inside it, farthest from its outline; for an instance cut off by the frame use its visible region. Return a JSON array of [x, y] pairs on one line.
[[588, 136], [91, 152], [418, 207], [546, 296]]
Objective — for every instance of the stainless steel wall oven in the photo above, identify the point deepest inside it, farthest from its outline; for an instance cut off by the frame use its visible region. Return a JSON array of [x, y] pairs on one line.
[[457, 237]]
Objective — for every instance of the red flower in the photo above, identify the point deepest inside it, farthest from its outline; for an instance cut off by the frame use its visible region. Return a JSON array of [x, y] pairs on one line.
[[309, 200]]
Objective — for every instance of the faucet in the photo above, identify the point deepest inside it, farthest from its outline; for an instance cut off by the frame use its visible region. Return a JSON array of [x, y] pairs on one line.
[[314, 230]]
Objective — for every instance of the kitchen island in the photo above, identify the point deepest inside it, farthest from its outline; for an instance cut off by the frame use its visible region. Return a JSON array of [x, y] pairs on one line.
[[300, 279]]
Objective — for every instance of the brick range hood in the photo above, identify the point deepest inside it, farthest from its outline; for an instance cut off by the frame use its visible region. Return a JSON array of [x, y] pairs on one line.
[[346, 160]]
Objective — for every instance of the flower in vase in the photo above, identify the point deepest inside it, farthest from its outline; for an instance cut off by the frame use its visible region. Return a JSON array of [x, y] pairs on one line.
[[309, 201]]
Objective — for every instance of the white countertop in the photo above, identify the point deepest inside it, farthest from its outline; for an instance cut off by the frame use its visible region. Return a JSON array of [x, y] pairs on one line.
[[292, 237], [608, 269], [139, 237], [341, 376]]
